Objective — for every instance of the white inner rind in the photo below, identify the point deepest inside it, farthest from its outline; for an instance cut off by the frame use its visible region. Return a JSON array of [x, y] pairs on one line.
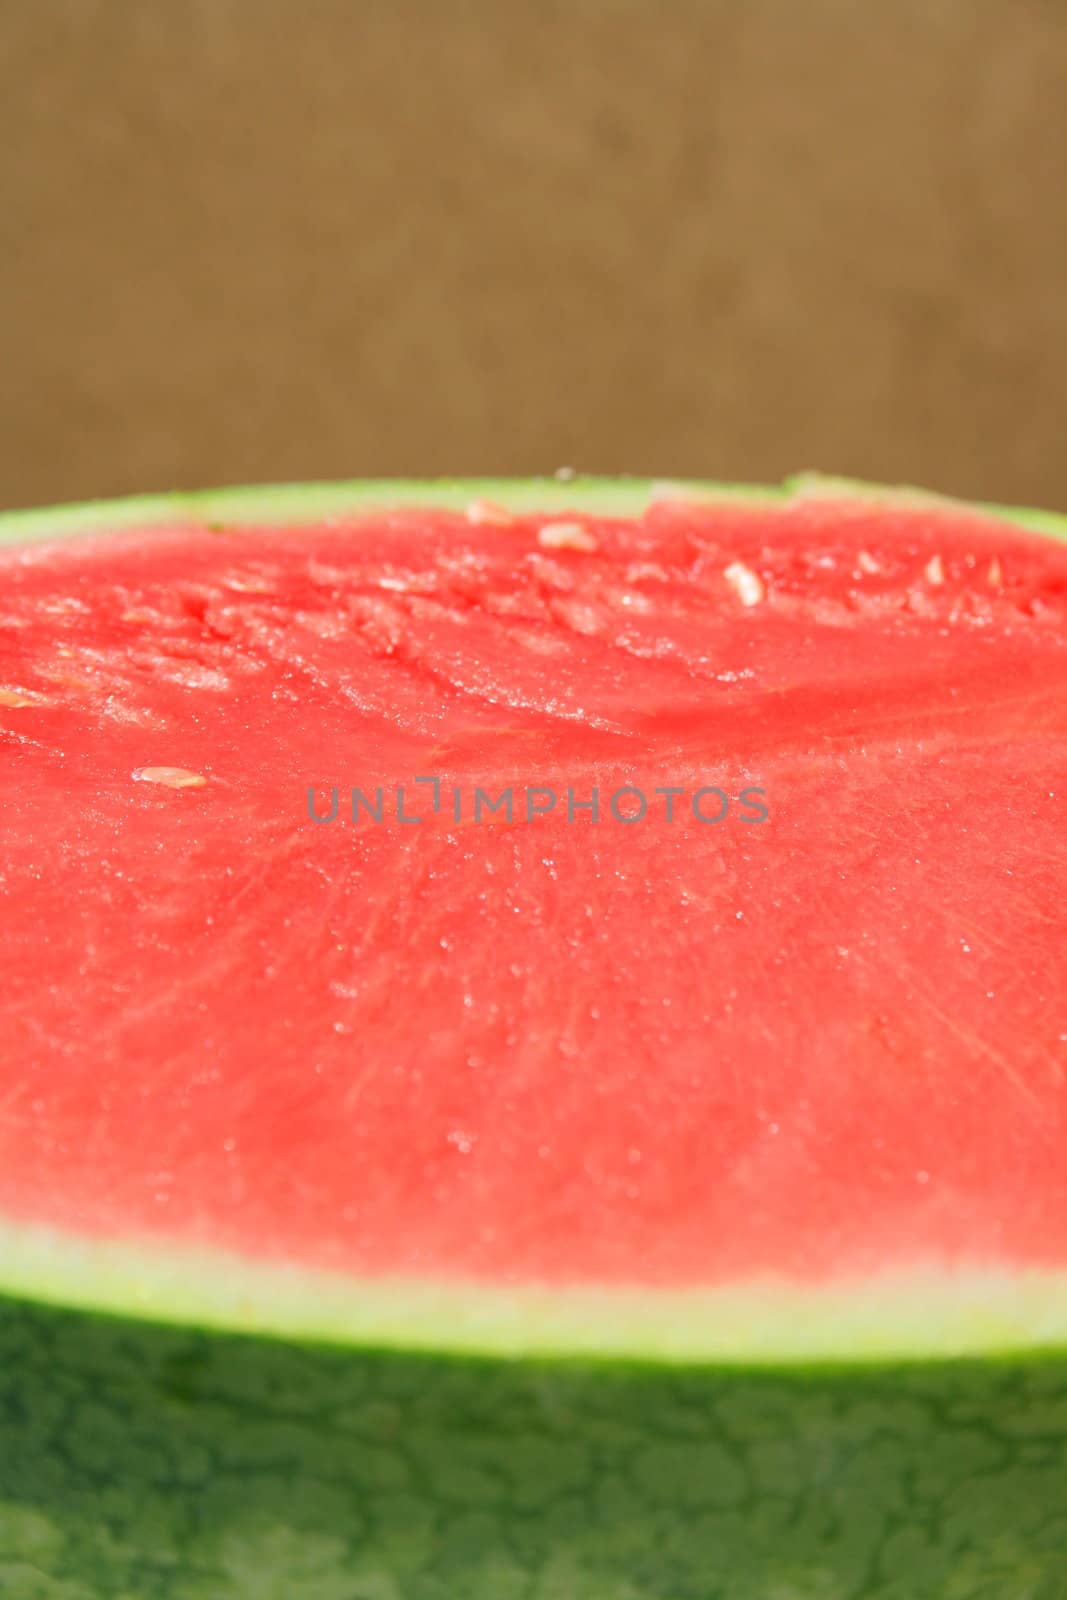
[[921, 1311]]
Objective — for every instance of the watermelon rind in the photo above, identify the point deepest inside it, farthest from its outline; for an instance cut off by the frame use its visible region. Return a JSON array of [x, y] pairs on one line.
[[604, 496]]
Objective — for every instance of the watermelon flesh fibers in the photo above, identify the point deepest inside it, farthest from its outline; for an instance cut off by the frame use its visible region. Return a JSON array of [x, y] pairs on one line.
[[534, 1046]]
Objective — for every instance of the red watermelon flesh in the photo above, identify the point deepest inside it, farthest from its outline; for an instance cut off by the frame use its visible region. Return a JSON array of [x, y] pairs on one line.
[[820, 1040]]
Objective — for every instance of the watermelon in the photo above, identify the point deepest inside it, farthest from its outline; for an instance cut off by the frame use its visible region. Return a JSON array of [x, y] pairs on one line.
[[535, 1030]]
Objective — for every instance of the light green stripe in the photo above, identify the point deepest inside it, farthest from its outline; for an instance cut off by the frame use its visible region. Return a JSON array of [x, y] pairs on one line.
[[916, 1311], [309, 502], [606, 496]]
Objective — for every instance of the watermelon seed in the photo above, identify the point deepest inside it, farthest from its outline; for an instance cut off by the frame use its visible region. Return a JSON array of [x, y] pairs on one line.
[[170, 777], [866, 563], [71, 682], [994, 574], [485, 513], [565, 536], [935, 570], [746, 584], [248, 582], [11, 697]]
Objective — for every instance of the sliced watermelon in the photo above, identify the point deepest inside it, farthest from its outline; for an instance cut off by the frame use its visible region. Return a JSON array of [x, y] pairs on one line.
[[535, 1043]]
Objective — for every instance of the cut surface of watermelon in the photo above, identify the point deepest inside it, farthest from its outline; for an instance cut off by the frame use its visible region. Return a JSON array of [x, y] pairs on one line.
[[740, 1139], [778, 1034]]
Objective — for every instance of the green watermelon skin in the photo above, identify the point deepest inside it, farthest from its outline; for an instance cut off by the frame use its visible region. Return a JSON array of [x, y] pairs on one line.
[[142, 1462]]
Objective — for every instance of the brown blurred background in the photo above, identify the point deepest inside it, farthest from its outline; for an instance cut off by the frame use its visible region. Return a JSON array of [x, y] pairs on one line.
[[278, 239]]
